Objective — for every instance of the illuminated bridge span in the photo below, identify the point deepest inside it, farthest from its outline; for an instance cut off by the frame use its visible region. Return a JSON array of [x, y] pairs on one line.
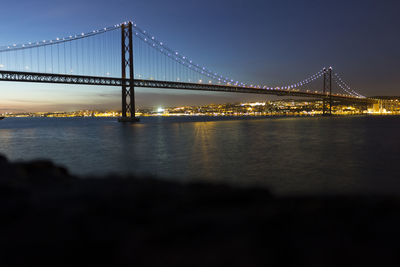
[[124, 55]]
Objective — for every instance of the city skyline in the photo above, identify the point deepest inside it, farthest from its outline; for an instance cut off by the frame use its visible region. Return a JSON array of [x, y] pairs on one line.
[[236, 42]]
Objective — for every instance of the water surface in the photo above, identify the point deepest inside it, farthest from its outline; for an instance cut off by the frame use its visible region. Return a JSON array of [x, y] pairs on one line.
[[287, 155]]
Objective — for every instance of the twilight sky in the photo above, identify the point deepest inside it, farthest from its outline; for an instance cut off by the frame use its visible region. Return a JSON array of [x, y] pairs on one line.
[[266, 41]]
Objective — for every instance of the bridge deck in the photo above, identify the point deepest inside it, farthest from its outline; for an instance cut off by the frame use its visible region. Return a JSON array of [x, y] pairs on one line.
[[110, 81]]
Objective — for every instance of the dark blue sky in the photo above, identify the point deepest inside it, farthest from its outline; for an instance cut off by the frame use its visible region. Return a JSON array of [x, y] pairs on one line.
[[269, 42]]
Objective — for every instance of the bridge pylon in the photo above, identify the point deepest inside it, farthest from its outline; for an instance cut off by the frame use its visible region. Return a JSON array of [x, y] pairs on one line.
[[327, 90], [127, 74]]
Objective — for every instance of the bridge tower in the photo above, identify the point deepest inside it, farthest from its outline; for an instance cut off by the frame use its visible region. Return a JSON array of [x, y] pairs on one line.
[[127, 74], [327, 90]]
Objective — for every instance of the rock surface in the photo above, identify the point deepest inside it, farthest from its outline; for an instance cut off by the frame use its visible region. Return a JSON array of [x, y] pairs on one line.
[[50, 218]]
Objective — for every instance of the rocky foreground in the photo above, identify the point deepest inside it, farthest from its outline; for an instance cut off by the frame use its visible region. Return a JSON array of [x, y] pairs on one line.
[[50, 218]]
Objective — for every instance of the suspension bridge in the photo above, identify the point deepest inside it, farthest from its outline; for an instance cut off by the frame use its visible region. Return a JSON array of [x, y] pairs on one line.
[[127, 56]]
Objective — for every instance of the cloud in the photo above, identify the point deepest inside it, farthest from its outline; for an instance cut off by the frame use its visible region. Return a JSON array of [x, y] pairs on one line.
[[113, 94]]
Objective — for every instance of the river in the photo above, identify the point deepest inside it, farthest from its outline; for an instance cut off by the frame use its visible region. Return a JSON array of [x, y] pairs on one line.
[[313, 155]]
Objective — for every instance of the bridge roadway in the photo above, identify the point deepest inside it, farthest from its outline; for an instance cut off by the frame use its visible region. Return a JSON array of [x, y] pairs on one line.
[[34, 77]]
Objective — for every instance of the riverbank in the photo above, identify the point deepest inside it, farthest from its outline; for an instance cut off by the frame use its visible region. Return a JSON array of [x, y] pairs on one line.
[[50, 218]]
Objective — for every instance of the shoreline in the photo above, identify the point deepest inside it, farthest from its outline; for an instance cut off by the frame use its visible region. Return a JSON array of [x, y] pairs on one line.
[[217, 117]]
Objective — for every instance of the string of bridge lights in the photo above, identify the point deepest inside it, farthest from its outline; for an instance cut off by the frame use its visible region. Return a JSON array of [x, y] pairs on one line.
[[175, 55], [185, 61], [178, 57], [302, 83], [342, 87], [342, 84], [14, 47]]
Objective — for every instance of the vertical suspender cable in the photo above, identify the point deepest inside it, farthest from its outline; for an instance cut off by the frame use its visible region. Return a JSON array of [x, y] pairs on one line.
[[83, 56], [77, 57], [65, 64], [45, 59]]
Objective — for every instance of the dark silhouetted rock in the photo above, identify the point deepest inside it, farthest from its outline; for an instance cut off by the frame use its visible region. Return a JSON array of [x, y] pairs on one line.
[[50, 218]]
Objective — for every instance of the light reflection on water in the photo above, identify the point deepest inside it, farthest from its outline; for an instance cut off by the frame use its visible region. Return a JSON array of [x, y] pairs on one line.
[[288, 155]]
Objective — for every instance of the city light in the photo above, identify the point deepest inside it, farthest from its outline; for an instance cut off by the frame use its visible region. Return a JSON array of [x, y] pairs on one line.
[[287, 107]]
